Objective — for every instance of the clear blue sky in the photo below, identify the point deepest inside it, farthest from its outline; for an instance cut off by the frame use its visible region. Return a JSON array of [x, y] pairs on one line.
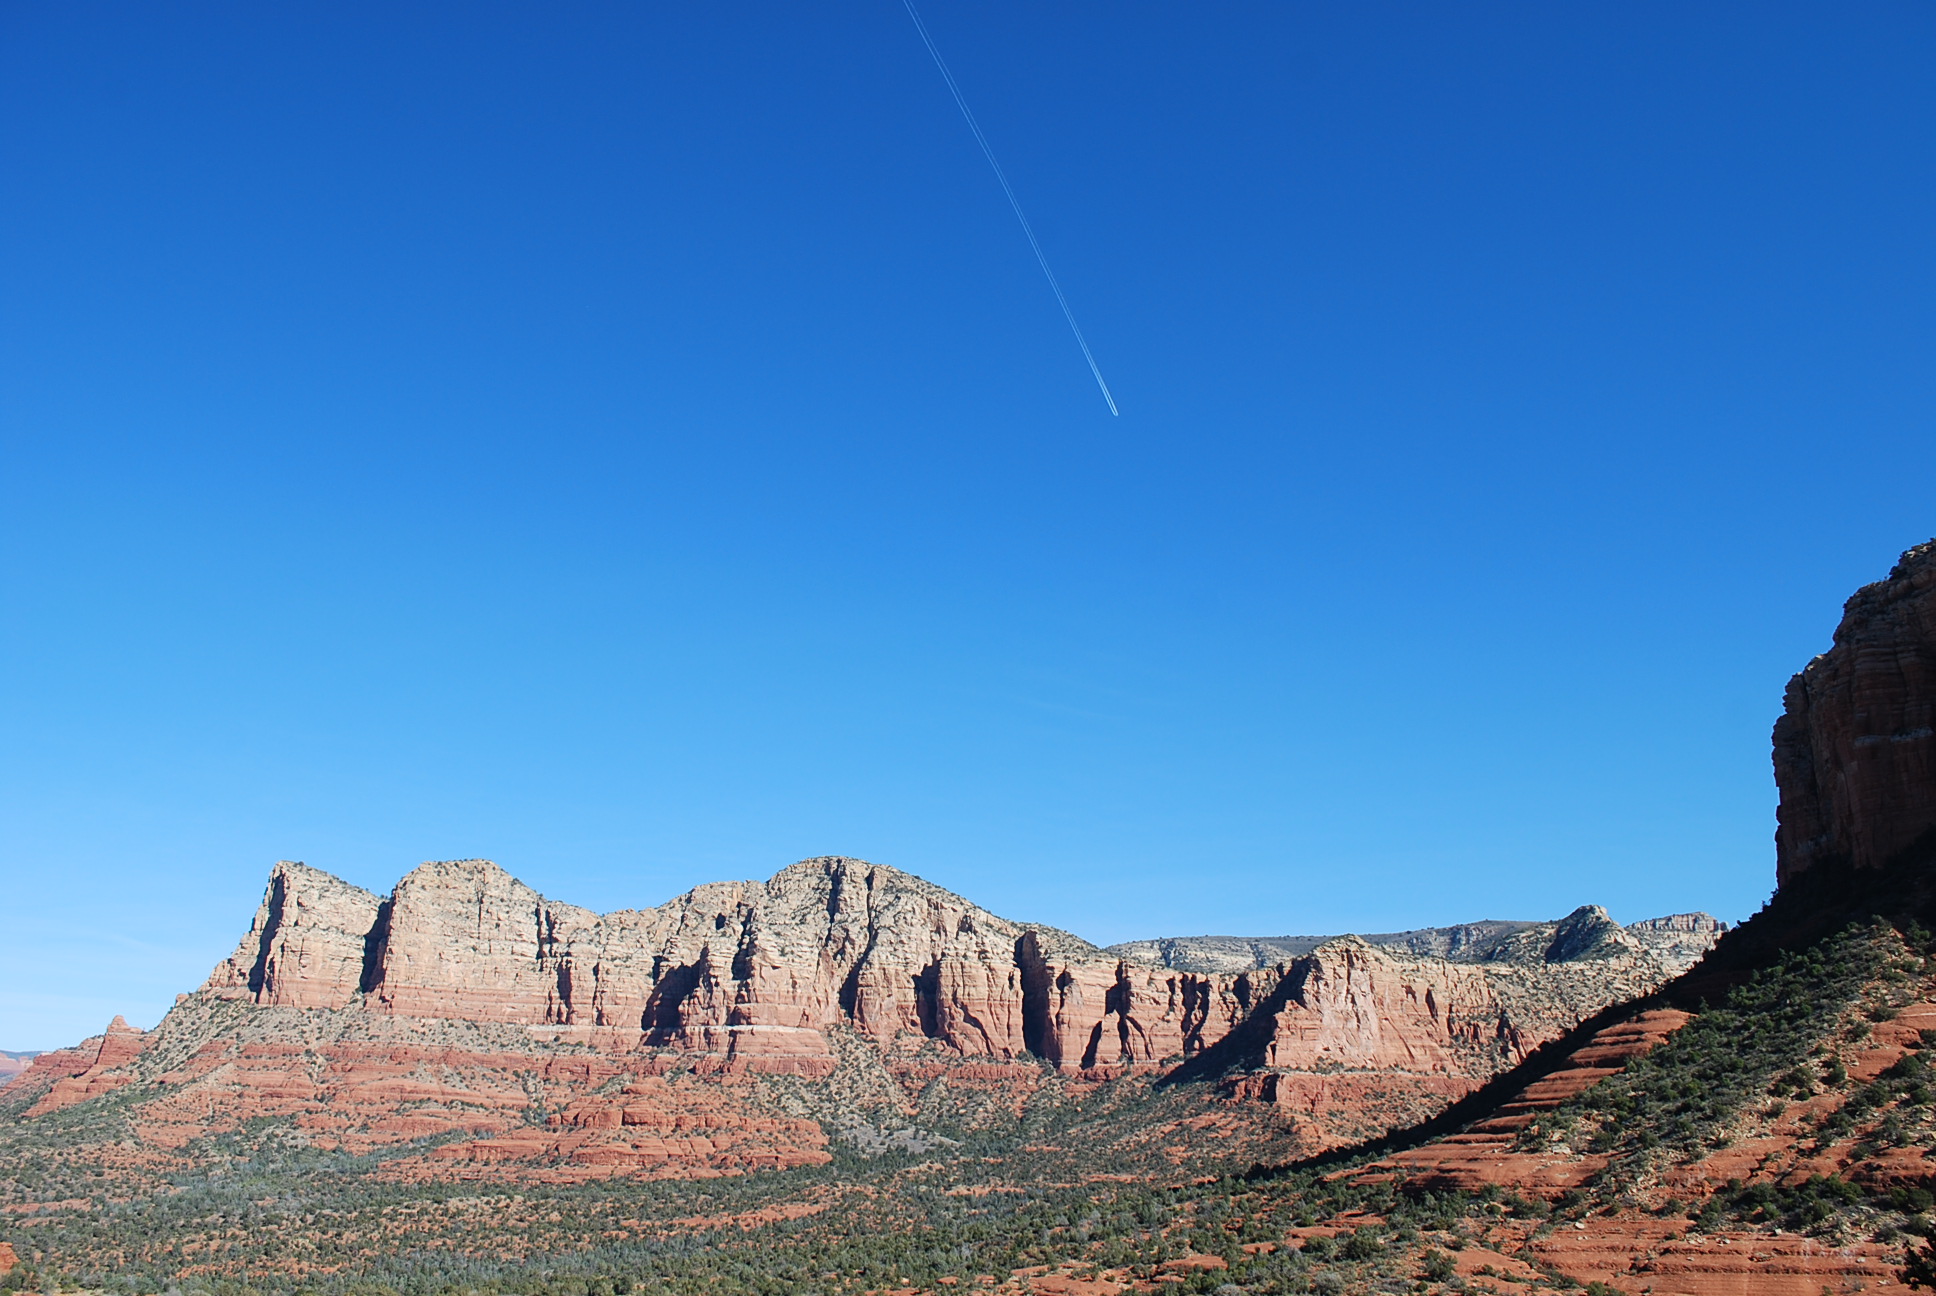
[[634, 443]]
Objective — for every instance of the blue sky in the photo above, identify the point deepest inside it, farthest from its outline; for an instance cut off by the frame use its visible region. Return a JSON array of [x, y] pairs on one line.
[[634, 443]]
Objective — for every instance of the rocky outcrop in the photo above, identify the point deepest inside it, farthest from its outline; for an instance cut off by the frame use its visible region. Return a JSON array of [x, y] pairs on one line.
[[1855, 762], [1486, 1151], [310, 945], [95, 1066], [1679, 940], [648, 1127], [1648, 1232], [1356, 1005], [1855, 747], [740, 969], [1240, 953], [360, 1082]]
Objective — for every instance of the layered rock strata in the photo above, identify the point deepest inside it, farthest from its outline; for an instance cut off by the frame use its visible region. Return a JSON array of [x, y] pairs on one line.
[[95, 1066], [365, 1083], [310, 944], [469, 1010], [1855, 747], [760, 972], [1855, 762], [742, 969]]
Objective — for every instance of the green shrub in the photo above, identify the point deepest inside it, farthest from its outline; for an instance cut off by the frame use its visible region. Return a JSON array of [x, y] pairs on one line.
[[1678, 1097], [1911, 1200], [1799, 1208]]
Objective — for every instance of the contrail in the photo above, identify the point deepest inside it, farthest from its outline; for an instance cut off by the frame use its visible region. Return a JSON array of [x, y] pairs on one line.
[[1013, 202]]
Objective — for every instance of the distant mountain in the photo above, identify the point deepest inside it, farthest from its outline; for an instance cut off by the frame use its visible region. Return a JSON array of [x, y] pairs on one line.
[[1678, 940], [12, 1064]]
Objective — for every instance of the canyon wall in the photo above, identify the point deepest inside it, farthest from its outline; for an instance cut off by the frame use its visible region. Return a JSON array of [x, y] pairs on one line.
[[1855, 747]]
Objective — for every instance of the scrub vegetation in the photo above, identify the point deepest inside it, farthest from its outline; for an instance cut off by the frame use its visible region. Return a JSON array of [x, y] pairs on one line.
[[980, 1207]]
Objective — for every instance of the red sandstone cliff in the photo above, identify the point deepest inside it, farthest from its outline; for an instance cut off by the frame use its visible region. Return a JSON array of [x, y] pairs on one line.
[[309, 943], [465, 1001], [760, 972], [1855, 747]]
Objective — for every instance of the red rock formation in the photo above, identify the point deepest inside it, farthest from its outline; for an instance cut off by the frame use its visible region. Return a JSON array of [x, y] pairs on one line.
[[468, 1005], [1855, 749], [1346, 1004], [1855, 760], [654, 1128], [1630, 1253], [758, 973], [7, 1258], [95, 1066], [466, 939], [308, 945], [1646, 1244], [1363, 1007], [385, 1085]]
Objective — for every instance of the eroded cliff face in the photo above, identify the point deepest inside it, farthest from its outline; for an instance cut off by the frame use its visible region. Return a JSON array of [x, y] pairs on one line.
[[709, 1034], [1855, 747], [312, 937], [742, 969], [466, 939], [759, 973]]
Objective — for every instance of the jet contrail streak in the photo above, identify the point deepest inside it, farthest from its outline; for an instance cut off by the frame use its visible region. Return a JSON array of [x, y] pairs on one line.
[[1013, 202]]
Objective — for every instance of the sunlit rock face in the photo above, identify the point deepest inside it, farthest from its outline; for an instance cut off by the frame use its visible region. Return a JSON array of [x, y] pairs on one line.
[[1855, 747], [743, 1025], [759, 972], [308, 944]]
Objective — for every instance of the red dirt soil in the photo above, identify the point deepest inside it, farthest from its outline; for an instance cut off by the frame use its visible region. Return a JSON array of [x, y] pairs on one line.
[[1638, 1251]]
